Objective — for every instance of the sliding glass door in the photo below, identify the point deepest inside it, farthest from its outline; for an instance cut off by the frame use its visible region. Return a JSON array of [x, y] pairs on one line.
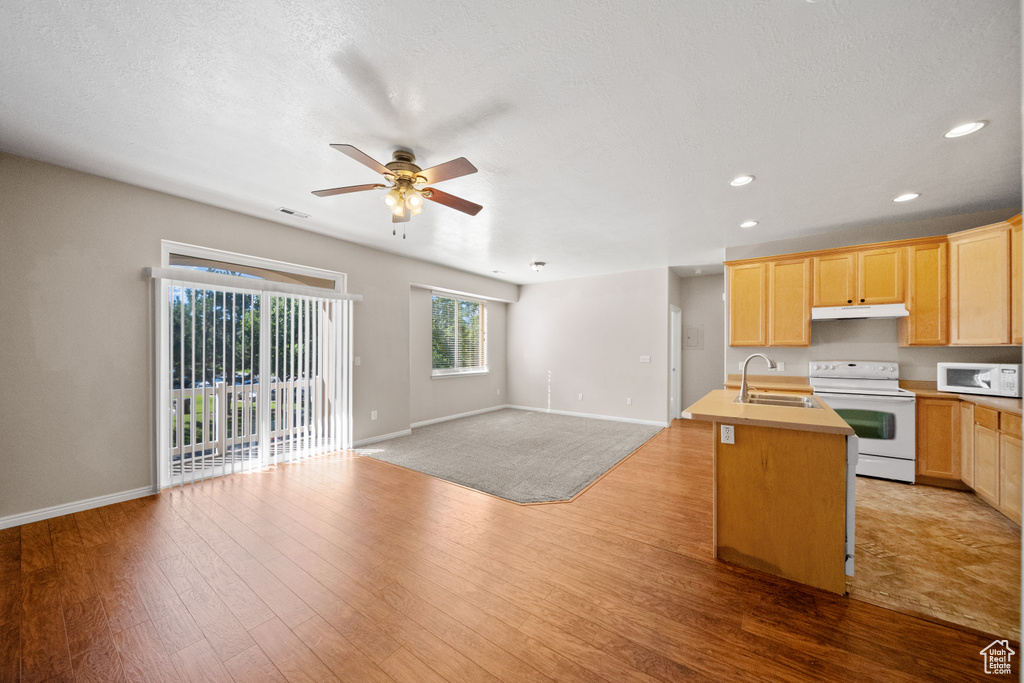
[[251, 379]]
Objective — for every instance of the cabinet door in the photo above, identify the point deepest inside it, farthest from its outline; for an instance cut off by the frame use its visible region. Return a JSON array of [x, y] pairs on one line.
[[986, 463], [789, 306], [1009, 476], [927, 287], [938, 438], [748, 304], [979, 288], [835, 279], [967, 443], [1016, 283], [880, 276]]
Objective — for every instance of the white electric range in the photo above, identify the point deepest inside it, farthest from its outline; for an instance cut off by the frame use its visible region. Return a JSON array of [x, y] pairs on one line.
[[867, 395]]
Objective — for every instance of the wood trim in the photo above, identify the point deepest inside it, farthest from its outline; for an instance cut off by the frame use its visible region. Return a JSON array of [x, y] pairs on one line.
[[942, 482], [1011, 222], [842, 250]]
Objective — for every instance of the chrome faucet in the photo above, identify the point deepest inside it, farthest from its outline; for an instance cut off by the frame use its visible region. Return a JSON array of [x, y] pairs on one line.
[[744, 389]]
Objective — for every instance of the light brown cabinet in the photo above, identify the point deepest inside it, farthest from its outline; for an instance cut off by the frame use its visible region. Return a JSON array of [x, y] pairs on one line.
[[770, 303], [835, 279], [962, 289], [1016, 282], [991, 458], [748, 312], [938, 439], [880, 276], [927, 296], [873, 276], [789, 302], [979, 286], [967, 443]]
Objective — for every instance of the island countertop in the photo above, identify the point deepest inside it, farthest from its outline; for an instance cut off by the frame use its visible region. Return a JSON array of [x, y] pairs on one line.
[[718, 406]]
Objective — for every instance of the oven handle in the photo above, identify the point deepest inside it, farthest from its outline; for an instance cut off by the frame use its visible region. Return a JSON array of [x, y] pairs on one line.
[[869, 397]]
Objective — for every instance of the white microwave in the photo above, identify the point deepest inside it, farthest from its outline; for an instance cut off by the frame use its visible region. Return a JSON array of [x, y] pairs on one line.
[[991, 379]]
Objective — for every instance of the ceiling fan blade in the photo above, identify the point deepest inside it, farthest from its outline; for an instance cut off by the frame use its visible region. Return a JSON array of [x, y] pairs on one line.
[[452, 202], [362, 158], [346, 190], [404, 218], [455, 168]]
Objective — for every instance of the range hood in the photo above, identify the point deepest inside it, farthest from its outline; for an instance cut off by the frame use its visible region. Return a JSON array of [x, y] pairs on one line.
[[877, 311]]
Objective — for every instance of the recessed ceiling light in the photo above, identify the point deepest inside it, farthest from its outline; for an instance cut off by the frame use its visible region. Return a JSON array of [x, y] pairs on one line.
[[748, 224], [907, 197], [966, 129], [741, 180]]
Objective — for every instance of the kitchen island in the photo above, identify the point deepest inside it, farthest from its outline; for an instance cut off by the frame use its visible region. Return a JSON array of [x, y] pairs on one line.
[[783, 490]]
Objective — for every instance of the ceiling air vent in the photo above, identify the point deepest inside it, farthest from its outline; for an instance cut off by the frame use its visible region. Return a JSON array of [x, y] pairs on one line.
[[292, 212]]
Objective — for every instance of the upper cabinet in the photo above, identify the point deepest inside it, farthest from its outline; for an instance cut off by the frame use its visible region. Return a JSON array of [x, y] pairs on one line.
[[874, 276], [748, 311], [966, 288], [789, 302], [927, 296], [1016, 283], [835, 279], [770, 303], [880, 276], [979, 286]]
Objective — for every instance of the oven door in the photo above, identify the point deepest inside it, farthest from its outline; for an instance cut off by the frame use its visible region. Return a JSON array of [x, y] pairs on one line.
[[885, 424]]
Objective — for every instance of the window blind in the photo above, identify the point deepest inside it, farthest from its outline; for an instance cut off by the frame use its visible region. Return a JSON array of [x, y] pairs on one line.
[[458, 335]]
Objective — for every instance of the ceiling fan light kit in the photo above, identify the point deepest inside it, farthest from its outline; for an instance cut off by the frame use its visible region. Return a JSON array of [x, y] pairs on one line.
[[406, 188]]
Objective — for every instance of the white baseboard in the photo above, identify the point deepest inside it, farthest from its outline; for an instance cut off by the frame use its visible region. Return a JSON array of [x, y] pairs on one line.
[[414, 425], [653, 423], [382, 437], [77, 506]]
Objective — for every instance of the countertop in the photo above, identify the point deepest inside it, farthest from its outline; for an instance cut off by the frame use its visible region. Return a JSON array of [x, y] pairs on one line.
[[928, 390], [717, 406]]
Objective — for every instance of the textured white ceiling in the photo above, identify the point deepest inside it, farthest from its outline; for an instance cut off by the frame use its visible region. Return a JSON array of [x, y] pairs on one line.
[[605, 132]]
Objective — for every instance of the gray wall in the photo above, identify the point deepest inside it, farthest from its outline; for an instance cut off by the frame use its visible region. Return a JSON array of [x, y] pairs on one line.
[[435, 397], [586, 336], [869, 340], [76, 321], [703, 314]]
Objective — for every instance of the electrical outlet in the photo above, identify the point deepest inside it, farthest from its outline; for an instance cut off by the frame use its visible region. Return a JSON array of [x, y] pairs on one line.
[[498, 392], [356, 360], [581, 397], [728, 434], [373, 414], [645, 359], [629, 401]]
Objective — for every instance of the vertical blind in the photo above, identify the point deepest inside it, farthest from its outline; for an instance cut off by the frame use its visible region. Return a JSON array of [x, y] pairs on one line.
[[253, 379]]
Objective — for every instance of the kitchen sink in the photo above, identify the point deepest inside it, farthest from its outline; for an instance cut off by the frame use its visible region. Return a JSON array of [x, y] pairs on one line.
[[783, 400]]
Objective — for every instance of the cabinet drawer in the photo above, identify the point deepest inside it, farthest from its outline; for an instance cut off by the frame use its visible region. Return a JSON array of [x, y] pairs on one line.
[[986, 417], [1010, 424]]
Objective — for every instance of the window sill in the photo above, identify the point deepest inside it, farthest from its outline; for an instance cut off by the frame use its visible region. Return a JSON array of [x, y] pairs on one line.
[[443, 374]]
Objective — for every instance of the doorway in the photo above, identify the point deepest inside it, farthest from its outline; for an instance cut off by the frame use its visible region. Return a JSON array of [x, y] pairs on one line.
[[675, 382]]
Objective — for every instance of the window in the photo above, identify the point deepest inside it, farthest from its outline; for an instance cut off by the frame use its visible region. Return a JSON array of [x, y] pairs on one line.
[[459, 336]]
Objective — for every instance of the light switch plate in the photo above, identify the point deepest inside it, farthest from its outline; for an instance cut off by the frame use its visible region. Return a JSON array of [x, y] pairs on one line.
[[645, 359]]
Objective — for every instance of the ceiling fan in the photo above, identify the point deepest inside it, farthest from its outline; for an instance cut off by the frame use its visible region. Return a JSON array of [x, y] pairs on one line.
[[406, 183]]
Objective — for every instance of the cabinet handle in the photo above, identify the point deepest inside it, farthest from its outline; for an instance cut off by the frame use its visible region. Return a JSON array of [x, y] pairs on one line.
[[849, 301], [862, 300]]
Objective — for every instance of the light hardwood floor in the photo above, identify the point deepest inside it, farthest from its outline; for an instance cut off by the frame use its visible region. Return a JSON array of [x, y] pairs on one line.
[[347, 568]]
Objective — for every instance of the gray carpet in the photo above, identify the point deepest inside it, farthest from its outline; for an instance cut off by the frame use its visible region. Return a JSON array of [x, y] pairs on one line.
[[520, 455]]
